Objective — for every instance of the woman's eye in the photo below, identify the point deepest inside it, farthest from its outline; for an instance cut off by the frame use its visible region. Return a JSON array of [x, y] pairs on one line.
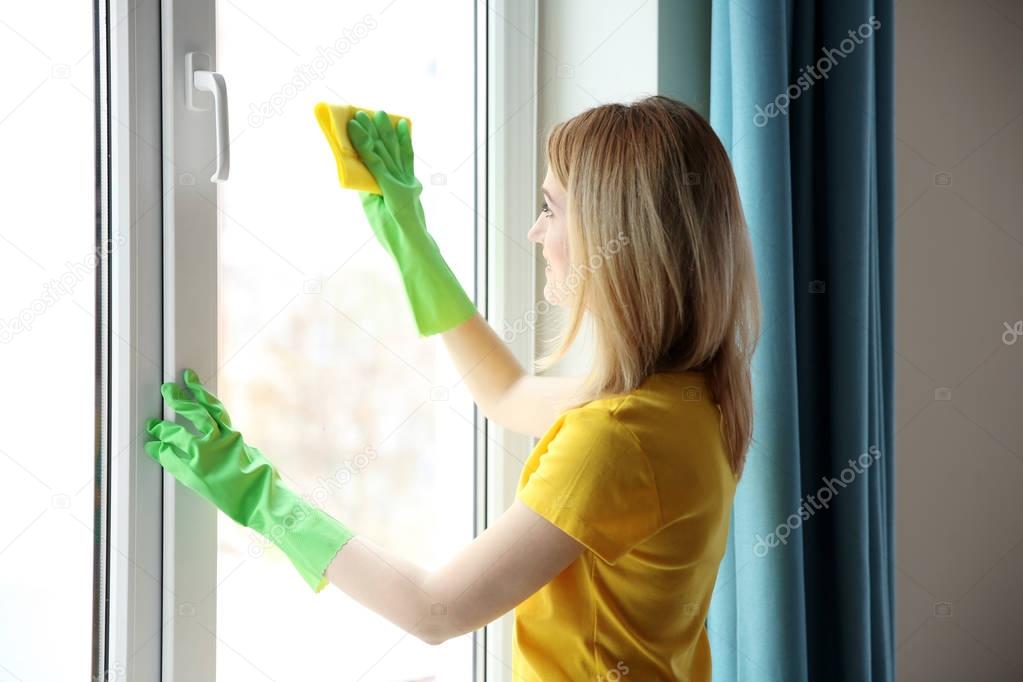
[[545, 209]]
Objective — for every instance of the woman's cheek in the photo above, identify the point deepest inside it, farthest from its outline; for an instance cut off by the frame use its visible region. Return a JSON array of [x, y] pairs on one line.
[[559, 255]]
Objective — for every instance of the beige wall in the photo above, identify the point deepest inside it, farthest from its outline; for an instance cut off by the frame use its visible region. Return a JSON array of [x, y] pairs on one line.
[[959, 387]]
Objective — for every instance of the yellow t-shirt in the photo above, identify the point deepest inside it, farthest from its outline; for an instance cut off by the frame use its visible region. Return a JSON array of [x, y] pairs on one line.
[[642, 479]]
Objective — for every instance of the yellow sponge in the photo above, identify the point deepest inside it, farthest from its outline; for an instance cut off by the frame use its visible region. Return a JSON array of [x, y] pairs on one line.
[[351, 171]]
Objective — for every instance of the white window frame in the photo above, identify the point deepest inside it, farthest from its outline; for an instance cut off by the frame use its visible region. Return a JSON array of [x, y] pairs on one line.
[[190, 258], [127, 642], [511, 33], [156, 618]]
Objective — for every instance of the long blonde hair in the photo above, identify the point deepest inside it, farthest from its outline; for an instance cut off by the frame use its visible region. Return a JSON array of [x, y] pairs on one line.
[[661, 253]]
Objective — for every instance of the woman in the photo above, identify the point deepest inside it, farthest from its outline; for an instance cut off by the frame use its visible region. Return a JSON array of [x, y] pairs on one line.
[[611, 548]]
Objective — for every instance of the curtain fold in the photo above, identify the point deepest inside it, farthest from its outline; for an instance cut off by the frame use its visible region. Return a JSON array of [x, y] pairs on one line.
[[801, 94]]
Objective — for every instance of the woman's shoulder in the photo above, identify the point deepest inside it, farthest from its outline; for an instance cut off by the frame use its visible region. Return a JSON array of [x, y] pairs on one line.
[[664, 400], [667, 410], [657, 392]]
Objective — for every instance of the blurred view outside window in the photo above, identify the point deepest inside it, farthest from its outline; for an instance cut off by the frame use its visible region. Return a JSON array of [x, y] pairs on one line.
[[48, 262], [320, 363]]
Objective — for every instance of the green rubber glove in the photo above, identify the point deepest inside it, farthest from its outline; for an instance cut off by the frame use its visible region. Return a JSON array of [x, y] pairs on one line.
[[437, 300], [241, 481]]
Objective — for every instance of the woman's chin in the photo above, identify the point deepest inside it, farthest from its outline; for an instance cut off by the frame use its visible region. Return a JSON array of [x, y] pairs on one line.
[[550, 294], [553, 294]]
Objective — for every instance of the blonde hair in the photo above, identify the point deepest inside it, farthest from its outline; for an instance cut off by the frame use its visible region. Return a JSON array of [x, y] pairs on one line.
[[661, 253]]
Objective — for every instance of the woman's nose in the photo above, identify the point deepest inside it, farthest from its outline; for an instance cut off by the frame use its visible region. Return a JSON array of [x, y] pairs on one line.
[[536, 232]]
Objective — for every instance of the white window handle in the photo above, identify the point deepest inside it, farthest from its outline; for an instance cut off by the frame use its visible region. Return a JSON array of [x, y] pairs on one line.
[[203, 80]]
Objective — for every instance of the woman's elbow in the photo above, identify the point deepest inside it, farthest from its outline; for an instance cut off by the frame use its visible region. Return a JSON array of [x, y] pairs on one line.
[[437, 633], [430, 638], [445, 618], [437, 624]]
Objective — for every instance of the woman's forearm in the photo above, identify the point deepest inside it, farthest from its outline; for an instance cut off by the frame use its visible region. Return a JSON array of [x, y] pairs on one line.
[[502, 389], [513, 558], [436, 606], [484, 363], [393, 587]]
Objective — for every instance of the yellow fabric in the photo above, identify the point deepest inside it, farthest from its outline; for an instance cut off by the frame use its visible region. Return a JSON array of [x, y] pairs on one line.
[[351, 171], [642, 479]]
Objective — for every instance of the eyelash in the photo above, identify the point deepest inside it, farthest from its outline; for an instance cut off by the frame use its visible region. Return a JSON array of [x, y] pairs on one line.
[[545, 209]]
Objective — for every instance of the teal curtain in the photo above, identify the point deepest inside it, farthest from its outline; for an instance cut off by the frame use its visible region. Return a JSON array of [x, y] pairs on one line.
[[806, 588]]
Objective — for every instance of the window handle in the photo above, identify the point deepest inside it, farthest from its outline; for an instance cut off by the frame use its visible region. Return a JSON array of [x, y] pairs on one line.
[[201, 80]]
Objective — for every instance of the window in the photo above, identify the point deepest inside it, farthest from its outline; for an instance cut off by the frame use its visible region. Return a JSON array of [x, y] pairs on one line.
[[319, 361], [272, 284], [49, 261]]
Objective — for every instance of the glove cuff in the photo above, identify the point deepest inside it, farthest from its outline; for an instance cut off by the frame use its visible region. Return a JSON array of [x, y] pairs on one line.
[[307, 535]]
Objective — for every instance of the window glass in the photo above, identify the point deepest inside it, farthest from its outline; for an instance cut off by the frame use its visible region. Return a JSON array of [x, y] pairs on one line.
[[48, 263], [320, 363]]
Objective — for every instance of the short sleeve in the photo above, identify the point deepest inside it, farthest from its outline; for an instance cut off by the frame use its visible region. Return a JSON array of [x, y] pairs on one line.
[[592, 480]]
